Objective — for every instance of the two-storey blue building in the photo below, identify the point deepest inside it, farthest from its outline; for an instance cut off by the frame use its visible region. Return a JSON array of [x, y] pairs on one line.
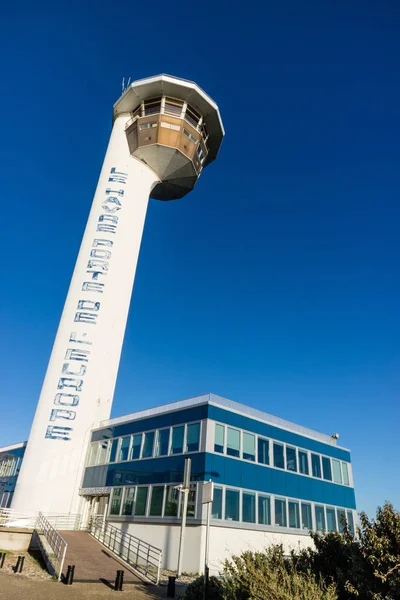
[[273, 481]]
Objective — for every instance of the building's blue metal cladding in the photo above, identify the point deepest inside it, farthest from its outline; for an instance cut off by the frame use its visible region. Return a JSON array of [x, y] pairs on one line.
[[242, 474], [221, 469]]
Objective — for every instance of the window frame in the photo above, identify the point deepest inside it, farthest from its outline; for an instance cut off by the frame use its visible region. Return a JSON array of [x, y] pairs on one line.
[[282, 445], [124, 437], [239, 510], [239, 431]]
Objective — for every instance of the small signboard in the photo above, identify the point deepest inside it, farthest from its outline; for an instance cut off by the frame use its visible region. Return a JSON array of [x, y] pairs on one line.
[[208, 492]]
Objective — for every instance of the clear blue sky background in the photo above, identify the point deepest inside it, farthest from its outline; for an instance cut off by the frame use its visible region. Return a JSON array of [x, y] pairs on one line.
[[276, 282]]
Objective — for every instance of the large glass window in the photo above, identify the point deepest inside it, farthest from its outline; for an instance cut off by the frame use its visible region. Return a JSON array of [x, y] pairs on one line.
[[306, 518], [249, 446], [152, 106], [177, 440], [136, 445], [330, 519], [113, 450], [157, 495], [350, 521], [162, 442], [345, 473], [94, 448], [341, 519], [124, 448], [192, 437], [316, 465], [192, 116], [233, 442], [116, 501], [141, 501], [231, 505], [280, 512], [191, 507], [219, 438], [294, 515], [303, 462], [263, 451], [129, 496], [248, 508], [291, 459], [173, 107], [102, 455], [171, 502], [278, 456], [337, 471], [326, 468], [148, 444], [216, 510], [320, 518], [264, 510]]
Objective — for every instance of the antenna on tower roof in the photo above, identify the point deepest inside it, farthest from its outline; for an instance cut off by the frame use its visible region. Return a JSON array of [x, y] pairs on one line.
[[125, 87]]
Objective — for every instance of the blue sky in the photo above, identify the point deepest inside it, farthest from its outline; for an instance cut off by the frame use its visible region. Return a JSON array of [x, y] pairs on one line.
[[275, 283]]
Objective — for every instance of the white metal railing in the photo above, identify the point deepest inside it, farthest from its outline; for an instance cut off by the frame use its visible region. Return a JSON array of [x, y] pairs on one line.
[[12, 518], [52, 545], [143, 557]]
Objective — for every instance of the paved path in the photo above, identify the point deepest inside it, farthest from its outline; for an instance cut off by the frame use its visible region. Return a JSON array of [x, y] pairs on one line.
[[18, 587], [93, 562]]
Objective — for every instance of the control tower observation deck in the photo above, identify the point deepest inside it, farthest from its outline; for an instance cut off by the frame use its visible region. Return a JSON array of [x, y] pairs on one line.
[[165, 131]]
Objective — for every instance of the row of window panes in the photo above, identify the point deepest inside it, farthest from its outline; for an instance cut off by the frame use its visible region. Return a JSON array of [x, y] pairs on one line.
[[175, 108], [8, 466], [253, 507], [151, 501], [179, 439], [249, 446]]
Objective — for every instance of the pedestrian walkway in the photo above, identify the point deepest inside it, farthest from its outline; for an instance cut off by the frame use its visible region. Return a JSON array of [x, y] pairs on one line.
[[93, 562], [18, 587]]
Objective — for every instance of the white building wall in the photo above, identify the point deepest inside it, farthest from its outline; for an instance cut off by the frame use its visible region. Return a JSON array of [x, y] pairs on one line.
[[224, 542], [78, 389]]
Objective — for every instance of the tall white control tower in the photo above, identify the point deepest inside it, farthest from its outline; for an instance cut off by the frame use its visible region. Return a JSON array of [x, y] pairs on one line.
[[165, 131]]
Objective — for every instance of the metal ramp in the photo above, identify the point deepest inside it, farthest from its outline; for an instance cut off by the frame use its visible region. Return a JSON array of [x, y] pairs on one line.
[[93, 563]]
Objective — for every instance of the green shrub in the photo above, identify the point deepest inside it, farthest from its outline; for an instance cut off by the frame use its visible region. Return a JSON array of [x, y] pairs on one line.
[[195, 590], [366, 568], [269, 576]]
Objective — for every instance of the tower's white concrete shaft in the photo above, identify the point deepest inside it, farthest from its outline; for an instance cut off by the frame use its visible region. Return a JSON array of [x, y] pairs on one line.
[[165, 131]]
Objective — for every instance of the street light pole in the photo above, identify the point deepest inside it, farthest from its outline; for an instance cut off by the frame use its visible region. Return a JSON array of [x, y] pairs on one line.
[[184, 489]]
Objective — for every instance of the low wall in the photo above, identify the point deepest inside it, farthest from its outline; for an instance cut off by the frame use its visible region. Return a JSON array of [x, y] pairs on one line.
[[166, 537], [15, 539]]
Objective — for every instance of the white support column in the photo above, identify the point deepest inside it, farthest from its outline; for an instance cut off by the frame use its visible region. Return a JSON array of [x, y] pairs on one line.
[[78, 389]]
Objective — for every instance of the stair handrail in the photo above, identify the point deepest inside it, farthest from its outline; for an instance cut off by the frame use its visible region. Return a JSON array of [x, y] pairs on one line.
[[55, 541]]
